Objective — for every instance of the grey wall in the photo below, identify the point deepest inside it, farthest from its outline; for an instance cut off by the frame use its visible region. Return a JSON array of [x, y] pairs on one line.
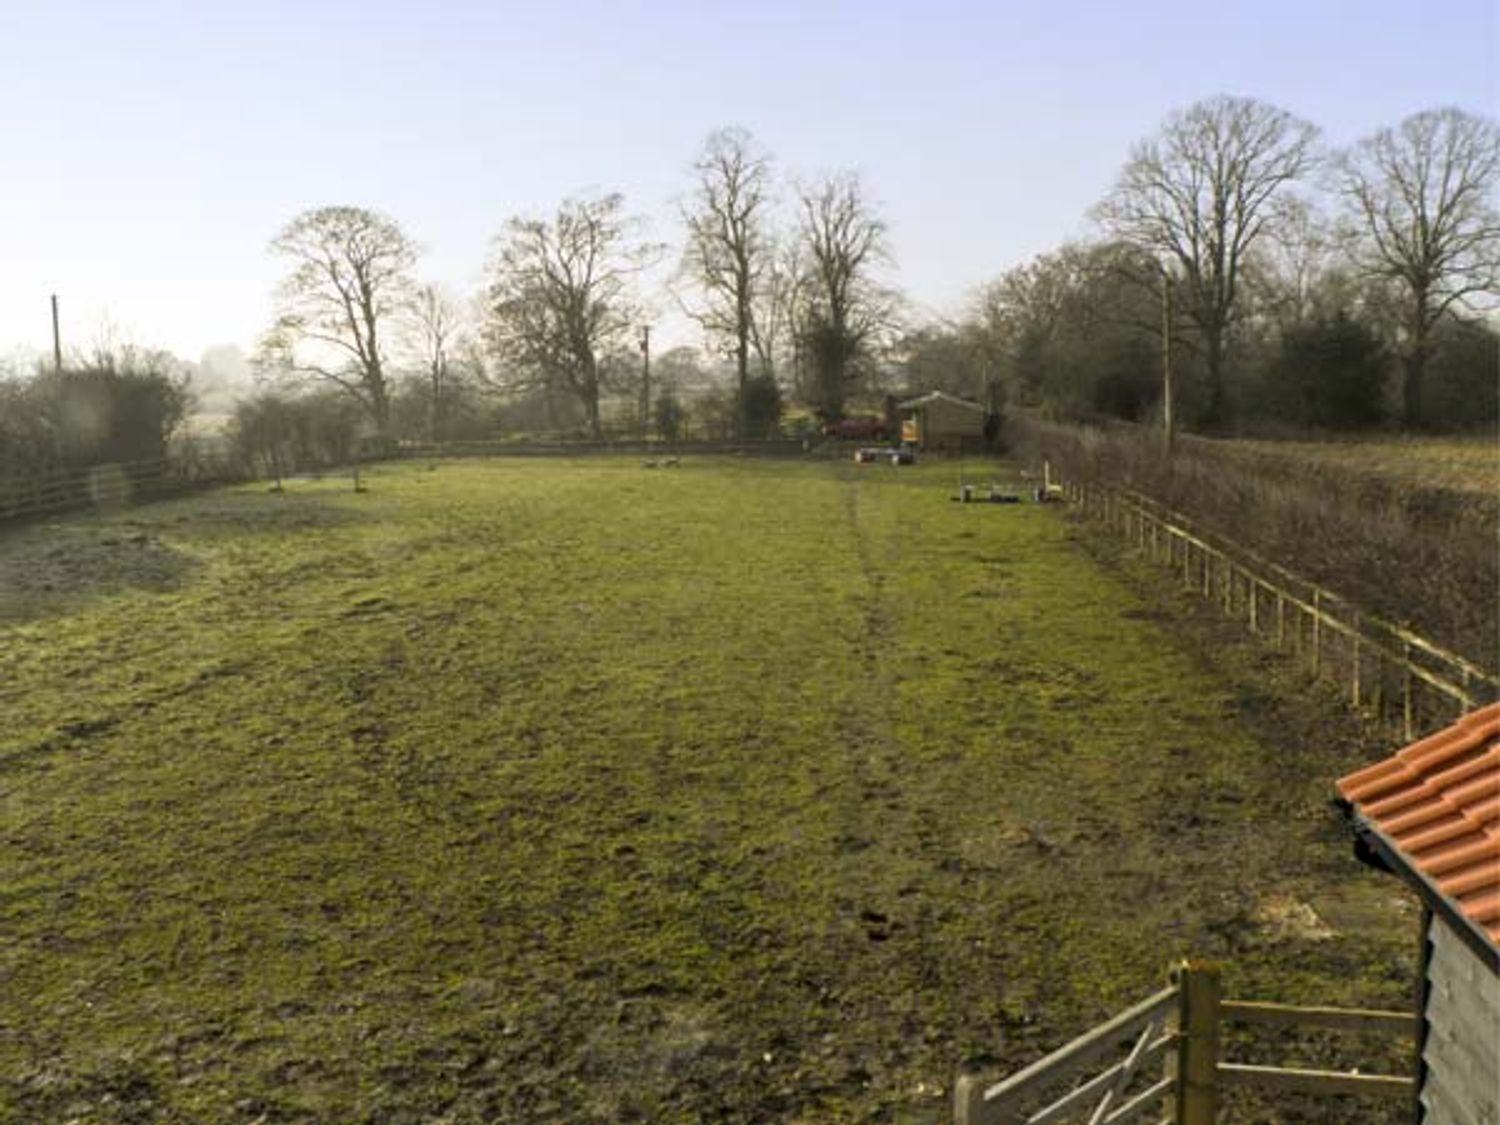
[[1462, 1051]]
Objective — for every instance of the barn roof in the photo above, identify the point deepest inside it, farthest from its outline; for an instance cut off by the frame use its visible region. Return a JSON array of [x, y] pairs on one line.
[[937, 396], [1434, 810]]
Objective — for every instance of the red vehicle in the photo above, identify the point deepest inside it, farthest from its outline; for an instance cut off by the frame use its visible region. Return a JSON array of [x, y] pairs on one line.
[[858, 428]]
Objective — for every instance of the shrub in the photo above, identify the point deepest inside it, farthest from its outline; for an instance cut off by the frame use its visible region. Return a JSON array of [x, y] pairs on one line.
[[1463, 380], [763, 406], [1329, 373]]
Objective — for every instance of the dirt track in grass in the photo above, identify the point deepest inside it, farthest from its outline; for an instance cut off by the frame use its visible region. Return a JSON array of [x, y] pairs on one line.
[[571, 790]]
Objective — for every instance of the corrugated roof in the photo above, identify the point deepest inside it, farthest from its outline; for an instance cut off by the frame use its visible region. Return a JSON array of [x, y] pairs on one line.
[[1438, 803], [937, 396]]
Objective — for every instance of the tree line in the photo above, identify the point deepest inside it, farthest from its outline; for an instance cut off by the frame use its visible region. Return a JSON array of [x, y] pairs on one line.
[[1283, 284], [792, 306]]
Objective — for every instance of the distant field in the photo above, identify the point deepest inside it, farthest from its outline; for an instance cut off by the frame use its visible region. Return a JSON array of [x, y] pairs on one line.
[[546, 790], [1459, 464]]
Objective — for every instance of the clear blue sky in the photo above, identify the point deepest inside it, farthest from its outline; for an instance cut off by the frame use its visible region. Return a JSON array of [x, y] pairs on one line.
[[153, 148]]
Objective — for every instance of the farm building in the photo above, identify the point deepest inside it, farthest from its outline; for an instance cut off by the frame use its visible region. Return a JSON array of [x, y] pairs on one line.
[[938, 422], [1431, 815]]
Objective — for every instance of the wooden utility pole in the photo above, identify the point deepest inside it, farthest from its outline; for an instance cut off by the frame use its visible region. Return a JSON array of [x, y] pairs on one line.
[[1166, 359], [56, 339], [646, 382]]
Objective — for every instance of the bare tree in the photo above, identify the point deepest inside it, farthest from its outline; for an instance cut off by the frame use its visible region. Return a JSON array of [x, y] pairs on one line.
[[560, 297], [1297, 265], [776, 302], [728, 250], [1199, 194], [1077, 329], [350, 278], [1423, 197], [435, 326], [843, 308]]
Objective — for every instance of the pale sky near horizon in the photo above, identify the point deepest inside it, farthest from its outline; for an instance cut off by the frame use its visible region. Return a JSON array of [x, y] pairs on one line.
[[154, 148]]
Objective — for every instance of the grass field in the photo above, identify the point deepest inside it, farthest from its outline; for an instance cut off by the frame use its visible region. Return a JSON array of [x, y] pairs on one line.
[[1464, 465], [546, 790]]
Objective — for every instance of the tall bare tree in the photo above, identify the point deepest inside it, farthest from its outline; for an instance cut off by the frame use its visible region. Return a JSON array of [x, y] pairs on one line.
[[728, 249], [1078, 329], [435, 329], [776, 303], [843, 306], [560, 297], [1199, 194], [1423, 197], [1298, 267], [349, 281]]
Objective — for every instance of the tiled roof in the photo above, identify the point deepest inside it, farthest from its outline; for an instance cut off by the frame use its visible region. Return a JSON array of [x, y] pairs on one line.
[[1438, 803]]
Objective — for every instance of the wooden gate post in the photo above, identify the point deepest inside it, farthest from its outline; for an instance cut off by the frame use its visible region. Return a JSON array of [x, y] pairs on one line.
[[968, 1100], [1195, 1062]]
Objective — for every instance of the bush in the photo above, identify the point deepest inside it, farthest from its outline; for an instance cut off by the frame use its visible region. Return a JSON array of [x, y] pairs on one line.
[[273, 434], [1463, 376], [763, 406], [1329, 374], [115, 410], [1397, 547], [669, 416]]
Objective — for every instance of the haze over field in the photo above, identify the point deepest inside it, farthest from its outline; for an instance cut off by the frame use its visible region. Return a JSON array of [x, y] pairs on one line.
[[156, 150]]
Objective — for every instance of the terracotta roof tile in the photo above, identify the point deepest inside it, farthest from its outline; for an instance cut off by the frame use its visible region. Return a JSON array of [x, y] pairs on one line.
[[1438, 802]]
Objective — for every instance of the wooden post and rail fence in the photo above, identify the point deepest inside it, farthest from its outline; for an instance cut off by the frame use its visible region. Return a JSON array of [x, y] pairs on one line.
[[1167, 1063], [101, 486], [120, 484], [1390, 673]]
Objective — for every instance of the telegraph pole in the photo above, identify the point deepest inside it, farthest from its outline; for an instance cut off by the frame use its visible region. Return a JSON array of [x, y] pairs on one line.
[[56, 339], [1166, 359], [646, 382]]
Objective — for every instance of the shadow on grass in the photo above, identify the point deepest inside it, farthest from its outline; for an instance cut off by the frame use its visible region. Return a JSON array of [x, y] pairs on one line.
[[54, 568], [253, 513]]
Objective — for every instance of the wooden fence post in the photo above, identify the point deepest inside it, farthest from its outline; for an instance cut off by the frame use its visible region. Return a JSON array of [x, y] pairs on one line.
[[1407, 704], [968, 1100], [1317, 629], [1195, 1062], [1377, 694], [1354, 660]]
